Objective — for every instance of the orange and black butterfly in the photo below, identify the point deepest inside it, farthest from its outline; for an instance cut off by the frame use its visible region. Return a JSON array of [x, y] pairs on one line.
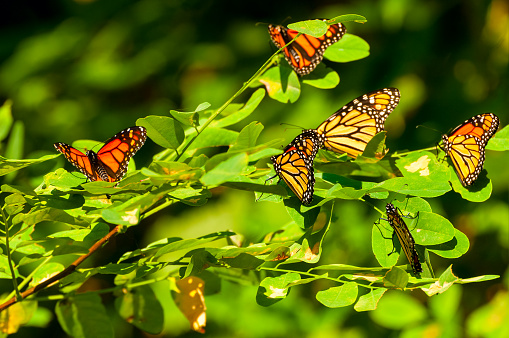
[[110, 162], [465, 145], [295, 165], [305, 53], [395, 220], [351, 128]]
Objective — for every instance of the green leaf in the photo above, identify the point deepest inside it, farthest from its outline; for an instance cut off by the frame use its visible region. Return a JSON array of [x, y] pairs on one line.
[[454, 248], [242, 113], [129, 217], [369, 301], [312, 240], [247, 137], [190, 118], [163, 130], [64, 180], [37, 215], [480, 191], [314, 28], [282, 83], [349, 48], [396, 278], [304, 218], [8, 165], [140, 307], [322, 77], [500, 141], [45, 272], [274, 289], [200, 260], [444, 282], [14, 203], [432, 229], [338, 296], [6, 119], [214, 137], [15, 145], [175, 244], [225, 171], [84, 316], [397, 310], [348, 18]]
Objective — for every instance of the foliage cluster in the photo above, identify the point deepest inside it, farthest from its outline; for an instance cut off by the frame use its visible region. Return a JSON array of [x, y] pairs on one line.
[[76, 216]]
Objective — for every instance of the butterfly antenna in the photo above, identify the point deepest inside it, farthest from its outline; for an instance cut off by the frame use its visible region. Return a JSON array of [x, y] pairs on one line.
[[427, 127], [291, 125]]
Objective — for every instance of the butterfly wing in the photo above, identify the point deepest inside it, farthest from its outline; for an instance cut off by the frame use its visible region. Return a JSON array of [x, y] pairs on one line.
[[465, 146], [114, 156], [404, 236], [351, 128], [308, 142], [305, 53], [77, 159]]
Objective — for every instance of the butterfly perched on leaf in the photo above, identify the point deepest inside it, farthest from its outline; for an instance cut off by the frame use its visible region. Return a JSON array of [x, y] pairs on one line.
[[395, 220], [351, 128], [306, 52], [465, 146], [295, 165], [111, 161]]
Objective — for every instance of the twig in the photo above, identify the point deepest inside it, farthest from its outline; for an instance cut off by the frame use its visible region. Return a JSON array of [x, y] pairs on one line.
[[67, 271]]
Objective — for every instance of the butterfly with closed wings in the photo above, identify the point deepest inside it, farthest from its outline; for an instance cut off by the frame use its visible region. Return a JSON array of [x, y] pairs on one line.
[[111, 161], [295, 165], [395, 220], [465, 146], [306, 52]]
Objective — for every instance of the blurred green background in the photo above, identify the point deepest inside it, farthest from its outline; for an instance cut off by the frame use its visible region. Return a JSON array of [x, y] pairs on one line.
[[86, 69]]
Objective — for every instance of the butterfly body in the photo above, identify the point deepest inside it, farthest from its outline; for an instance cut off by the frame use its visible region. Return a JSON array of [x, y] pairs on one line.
[[405, 237], [305, 53], [351, 128], [110, 162], [295, 165], [465, 145]]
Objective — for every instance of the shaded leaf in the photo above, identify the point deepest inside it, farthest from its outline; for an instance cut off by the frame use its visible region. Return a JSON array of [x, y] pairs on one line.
[[140, 307], [84, 315]]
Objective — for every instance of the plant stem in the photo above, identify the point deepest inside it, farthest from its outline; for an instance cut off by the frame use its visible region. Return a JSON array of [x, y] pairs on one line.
[[9, 257], [262, 69]]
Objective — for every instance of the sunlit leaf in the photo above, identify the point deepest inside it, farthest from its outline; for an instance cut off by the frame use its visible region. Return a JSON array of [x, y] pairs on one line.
[[349, 48], [314, 28], [8, 165], [282, 83], [163, 130], [369, 301], [338, 296]]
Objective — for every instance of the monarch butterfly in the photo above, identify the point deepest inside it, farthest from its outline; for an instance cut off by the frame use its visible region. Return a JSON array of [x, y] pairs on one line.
[[305, 53], [110, 162], [295, 165], [465, 145], [406, 240], [351, 128]]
